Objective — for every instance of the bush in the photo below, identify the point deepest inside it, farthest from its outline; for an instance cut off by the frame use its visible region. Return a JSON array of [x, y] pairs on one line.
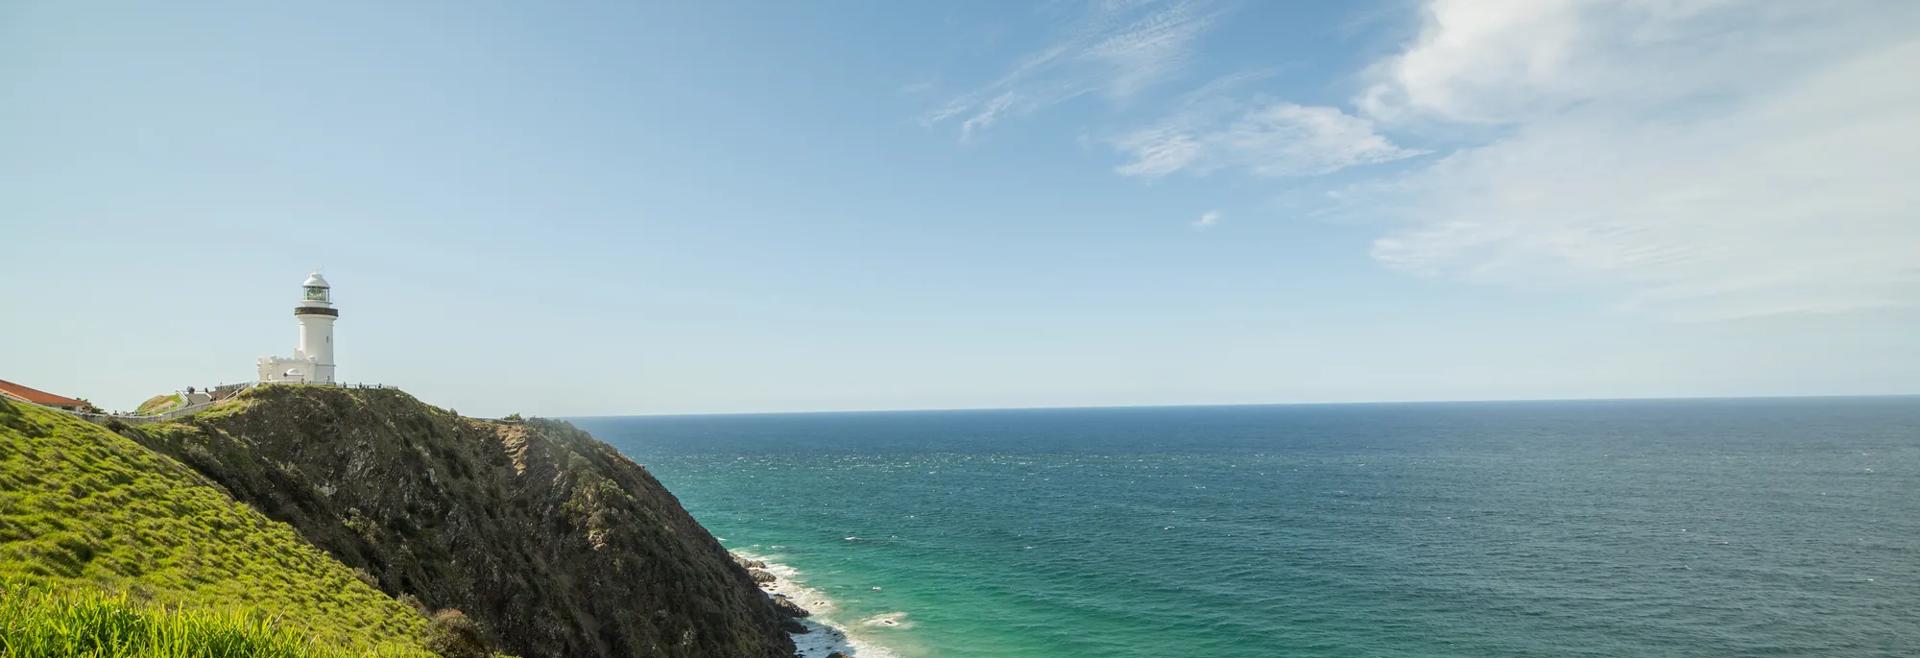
[[452, 635]]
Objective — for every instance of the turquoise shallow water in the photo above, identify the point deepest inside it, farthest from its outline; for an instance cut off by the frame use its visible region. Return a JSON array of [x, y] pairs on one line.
[[1710, 528]]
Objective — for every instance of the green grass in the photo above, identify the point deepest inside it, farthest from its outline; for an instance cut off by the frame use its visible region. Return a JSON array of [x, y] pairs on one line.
[[123, 533], [40, 622], [160, 404]]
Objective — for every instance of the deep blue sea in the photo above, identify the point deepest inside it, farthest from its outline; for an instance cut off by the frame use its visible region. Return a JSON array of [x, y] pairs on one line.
[[1758, 527]]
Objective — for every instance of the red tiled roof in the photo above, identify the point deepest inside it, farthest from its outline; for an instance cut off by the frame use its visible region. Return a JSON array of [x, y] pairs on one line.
[[37, 396]]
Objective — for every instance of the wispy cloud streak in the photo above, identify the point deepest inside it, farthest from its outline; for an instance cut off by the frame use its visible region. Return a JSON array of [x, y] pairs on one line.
[[1118, 49], [1267, 139]]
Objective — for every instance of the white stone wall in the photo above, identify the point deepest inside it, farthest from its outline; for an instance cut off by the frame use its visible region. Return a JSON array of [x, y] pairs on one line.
[[274, 369]]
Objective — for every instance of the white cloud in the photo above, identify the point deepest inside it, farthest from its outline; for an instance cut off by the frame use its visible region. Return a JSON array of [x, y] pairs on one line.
[[1149, 50], [1116, 48], [1269, 139], [987, 114], [1475, 59], [1708, 160], [1206, 220], [1697, 159]]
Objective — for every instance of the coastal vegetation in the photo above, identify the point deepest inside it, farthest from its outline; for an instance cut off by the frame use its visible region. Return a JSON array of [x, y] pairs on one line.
[[160, 404], [44, 622], [332, 521], [109, 548], [551, 542]]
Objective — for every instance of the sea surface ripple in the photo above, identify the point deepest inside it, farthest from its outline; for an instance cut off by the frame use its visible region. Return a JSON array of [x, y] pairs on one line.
[[1675, 528]]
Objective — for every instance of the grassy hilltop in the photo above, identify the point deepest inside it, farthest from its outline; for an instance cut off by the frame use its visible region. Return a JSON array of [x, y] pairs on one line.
[[110, 549], [160, 404]]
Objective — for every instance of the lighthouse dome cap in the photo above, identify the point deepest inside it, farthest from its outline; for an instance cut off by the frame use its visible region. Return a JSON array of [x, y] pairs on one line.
[[314, 280]]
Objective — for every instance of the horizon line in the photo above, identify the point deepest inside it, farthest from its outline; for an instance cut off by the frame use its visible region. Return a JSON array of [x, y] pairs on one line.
[[1675, 398]]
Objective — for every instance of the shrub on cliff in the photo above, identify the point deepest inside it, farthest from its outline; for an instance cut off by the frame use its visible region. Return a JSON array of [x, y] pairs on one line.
[[452, 635]]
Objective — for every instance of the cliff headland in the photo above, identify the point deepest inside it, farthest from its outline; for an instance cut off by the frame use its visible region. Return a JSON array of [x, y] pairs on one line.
[[546, 541]]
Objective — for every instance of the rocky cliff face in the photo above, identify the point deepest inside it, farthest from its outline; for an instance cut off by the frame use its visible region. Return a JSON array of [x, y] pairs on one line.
[[556, 544]]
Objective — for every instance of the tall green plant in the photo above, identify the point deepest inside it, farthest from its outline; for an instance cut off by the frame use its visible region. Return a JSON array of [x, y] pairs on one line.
[[39, 622]]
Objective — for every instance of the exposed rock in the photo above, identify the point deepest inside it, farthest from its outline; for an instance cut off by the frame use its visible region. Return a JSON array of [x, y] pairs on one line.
[[787, 607], [551, 542], [749, 564], [761, 576]]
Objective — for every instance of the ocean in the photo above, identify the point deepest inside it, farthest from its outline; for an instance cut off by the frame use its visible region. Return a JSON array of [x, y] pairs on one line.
[[1739, 527]]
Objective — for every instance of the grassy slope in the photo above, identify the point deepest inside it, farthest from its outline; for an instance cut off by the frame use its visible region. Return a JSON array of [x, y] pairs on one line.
[[82, 506], [38, 621], [160, 404]]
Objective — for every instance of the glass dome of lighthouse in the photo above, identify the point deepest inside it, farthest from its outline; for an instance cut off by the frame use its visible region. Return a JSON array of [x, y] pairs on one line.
[[316, 288]]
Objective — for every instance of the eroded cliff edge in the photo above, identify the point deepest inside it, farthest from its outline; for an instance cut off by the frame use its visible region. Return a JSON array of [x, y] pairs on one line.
[[554, 542]]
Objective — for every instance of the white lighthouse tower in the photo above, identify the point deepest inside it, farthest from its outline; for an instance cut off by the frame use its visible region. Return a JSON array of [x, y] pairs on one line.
[[312, 361]]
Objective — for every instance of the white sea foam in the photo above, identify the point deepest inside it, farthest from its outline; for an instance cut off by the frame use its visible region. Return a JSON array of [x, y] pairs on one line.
[[889, 620], [825, 634]]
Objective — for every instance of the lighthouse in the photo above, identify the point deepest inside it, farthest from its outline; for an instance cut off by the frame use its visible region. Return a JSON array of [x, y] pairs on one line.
[[312, 361]]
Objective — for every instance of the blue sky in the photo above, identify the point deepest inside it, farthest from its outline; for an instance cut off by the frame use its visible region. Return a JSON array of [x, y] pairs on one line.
[[571, 209]]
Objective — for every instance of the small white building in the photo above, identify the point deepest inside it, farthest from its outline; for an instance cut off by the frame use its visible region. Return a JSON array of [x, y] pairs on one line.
[[312, 360]]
